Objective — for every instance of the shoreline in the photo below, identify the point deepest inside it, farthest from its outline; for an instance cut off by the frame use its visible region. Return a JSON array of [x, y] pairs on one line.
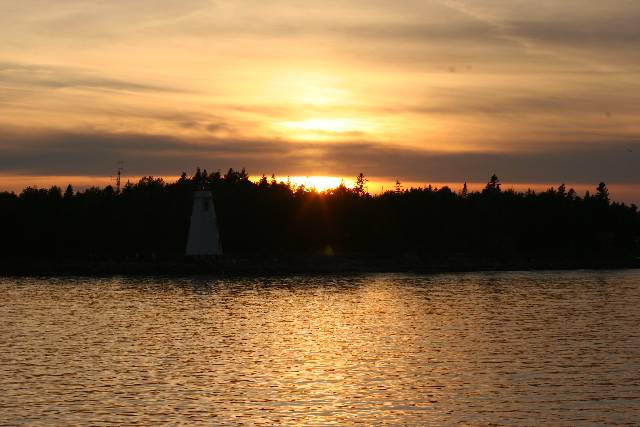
[[229, 266]]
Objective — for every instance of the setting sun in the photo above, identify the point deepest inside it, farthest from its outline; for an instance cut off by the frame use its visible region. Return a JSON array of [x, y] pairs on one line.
[[319, 183]]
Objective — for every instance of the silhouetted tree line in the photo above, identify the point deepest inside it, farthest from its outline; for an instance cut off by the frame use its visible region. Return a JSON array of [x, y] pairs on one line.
[[151, 218]]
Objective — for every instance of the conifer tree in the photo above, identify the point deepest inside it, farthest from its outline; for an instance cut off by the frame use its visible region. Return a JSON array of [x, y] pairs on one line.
[[602, 193], [360, 189]]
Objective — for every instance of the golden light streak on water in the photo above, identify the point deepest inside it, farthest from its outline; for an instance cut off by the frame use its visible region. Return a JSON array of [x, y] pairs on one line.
[[539, 348]]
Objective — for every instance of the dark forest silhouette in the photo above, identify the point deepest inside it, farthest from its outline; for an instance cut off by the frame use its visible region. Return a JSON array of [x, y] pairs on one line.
[[151, 218]]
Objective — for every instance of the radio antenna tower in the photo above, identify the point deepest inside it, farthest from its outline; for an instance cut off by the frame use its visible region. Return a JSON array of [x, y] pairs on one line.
[[120, 169]]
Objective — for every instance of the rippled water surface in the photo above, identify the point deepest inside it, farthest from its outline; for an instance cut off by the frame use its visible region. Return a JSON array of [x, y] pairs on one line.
[[555, 348]]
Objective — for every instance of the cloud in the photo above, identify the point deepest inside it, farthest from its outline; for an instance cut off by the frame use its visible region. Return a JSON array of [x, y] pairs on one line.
[[57, 77], [411, 31], [96, 153], [573, 163], [216, 127], [93, 154]]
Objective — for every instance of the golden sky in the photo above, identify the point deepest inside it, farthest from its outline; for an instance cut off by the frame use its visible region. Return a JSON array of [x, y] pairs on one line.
[[441, 90]]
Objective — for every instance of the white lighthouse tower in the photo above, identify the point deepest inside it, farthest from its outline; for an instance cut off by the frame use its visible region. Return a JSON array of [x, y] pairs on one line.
[[204, 239]]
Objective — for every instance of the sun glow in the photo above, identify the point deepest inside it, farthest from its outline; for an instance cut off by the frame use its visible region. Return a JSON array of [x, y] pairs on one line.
[[326, 128], [319, 183], [325, 125]]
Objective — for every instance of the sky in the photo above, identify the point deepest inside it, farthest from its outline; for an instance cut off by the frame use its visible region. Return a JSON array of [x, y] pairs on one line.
[[538, 92]]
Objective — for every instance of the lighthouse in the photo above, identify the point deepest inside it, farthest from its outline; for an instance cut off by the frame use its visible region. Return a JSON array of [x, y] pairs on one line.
[[204, 239]]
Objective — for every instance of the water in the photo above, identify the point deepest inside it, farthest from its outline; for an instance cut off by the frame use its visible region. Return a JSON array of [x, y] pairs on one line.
[[555, 348]]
